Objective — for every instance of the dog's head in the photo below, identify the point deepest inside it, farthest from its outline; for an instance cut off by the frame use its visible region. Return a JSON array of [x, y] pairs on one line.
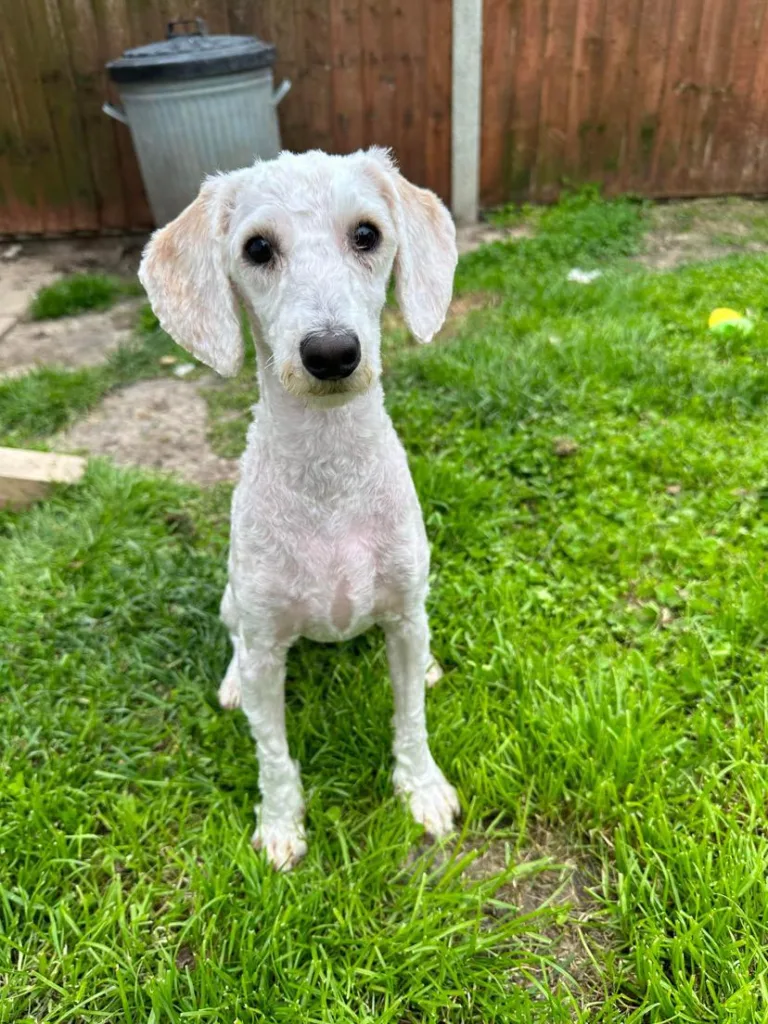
[[307, 242]]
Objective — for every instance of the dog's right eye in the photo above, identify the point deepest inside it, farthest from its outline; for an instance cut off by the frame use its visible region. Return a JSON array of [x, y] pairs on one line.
[[366, 237], [258, 250]]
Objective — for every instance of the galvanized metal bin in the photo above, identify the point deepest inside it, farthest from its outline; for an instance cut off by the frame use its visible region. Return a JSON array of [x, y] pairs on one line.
[[195, 104]]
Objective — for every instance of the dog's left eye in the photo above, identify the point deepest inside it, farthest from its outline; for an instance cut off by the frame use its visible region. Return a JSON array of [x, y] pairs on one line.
[[366, 237], [258, 250]]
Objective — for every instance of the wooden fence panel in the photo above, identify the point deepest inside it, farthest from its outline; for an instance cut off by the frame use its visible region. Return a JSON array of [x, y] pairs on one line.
[[28, 140], [363, 72], [438, 73], [662, 97]]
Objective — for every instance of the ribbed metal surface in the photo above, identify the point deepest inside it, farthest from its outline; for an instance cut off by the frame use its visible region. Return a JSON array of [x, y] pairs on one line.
[[185, 130]]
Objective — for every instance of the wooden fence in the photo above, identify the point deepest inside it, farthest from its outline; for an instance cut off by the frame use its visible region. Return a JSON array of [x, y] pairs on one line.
[[663, 97]]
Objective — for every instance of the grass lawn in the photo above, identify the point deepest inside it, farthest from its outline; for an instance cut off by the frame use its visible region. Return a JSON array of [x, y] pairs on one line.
[[79, 293], [592, 466]]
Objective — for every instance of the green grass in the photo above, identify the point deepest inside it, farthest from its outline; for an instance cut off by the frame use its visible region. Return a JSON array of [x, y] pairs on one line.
[[79, 293], [603, 622]]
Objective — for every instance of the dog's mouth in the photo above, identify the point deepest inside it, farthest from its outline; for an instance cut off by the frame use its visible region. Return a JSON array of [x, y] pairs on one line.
[[297, 381]]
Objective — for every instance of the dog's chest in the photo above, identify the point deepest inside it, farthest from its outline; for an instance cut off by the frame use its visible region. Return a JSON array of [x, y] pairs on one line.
[[347, 581], [326, 557], [341, 578], [331, 584]]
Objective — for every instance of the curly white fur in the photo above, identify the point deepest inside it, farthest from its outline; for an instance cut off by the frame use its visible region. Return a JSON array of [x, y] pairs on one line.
[[327, 533]]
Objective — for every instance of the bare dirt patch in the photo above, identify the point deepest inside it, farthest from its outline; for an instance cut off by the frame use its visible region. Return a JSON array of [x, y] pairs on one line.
[[116, 254], [464, 304], [549, 873], [392, 320], [461, 308], [158, 424], [473, 236], [72, 341], [704, 229], [549, 879], [20, 281], [27, 266]]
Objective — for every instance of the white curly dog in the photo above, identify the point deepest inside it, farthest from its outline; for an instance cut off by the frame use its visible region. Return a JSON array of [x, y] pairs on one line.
[[327, 533]]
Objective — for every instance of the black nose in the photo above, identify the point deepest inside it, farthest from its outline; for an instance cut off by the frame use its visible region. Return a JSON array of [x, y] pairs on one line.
[[330, 355]]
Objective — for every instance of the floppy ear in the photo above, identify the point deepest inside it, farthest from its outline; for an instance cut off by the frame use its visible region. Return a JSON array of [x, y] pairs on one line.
[[426, 250], [184, 274]]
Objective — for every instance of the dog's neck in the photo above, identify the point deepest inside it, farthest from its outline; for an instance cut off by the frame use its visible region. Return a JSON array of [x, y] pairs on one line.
[[289, 423]]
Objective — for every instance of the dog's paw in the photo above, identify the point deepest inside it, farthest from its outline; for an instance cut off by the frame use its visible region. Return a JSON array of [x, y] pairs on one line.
[[229, 691], [434, 673], [432, 802], [283, 842]]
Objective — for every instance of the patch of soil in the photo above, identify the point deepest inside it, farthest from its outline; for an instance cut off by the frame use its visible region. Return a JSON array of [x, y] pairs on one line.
[[558, 879], [20, 280], [466, 303], [547, 874], [28, 266], [158, 424], [561, 882], [392, 319], [72, 341], [472, 236], [115, 254], [691, 231], [460, 309]]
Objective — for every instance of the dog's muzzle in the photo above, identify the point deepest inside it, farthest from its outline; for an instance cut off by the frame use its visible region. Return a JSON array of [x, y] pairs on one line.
[[330, 355]]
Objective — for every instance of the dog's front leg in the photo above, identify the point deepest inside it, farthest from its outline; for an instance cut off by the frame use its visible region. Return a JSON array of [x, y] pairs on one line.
[[280, 818], [432, 800]]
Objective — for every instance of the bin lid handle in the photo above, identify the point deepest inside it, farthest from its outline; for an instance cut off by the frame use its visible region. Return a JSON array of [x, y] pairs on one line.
[[201, 28]]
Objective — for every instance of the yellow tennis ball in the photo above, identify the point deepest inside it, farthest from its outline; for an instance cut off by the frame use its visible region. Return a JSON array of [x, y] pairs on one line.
[[727, 323], [723, 315]]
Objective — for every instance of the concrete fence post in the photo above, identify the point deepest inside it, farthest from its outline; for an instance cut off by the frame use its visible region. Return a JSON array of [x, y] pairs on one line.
[[466, 109]]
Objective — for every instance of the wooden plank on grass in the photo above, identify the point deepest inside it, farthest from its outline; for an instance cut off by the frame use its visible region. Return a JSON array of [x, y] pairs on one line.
[[27, 476]]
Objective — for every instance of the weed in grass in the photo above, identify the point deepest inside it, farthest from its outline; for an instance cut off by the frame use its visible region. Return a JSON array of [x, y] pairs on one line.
[[79, 293]]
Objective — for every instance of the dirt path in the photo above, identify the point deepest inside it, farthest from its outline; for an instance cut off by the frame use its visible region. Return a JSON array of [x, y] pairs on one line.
[[159, 424], [70, 342], [695, 230]]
